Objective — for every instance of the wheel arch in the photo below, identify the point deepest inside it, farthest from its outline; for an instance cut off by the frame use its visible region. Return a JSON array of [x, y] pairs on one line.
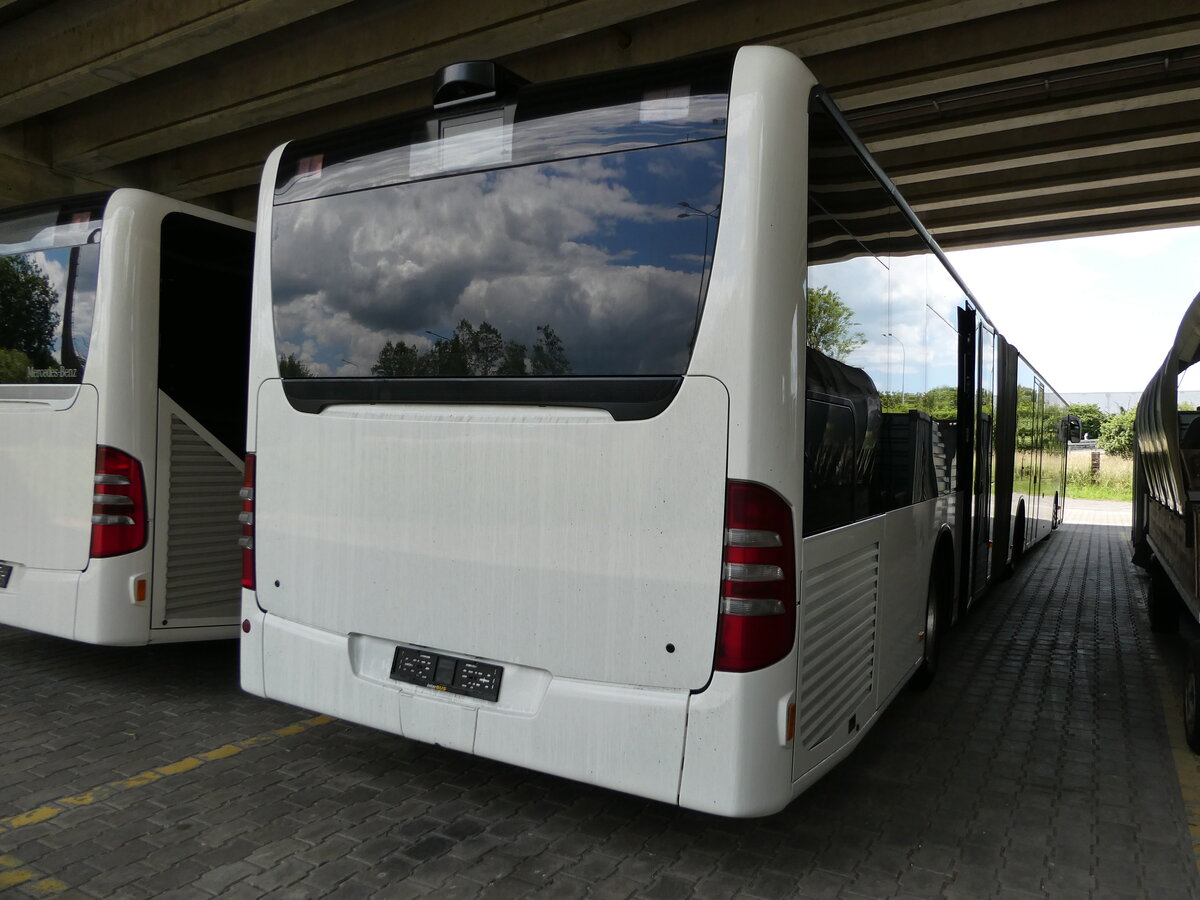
[[943, 574], [1017, 541]]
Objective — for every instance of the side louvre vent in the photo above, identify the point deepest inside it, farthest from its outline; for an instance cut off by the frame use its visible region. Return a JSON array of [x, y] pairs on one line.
[[837, 652], [941, 464], [204, 561]]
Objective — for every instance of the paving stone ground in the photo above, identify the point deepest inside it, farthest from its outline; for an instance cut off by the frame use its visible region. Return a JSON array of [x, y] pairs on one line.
[[1038, 765]]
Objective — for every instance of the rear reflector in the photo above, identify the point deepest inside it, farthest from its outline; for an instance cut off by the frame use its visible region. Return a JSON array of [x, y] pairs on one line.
[[118, 504], [757, 622], [246, 517]]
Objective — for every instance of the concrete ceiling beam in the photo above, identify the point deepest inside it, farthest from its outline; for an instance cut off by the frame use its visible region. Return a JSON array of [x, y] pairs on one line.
[[1067, 227], [380, 44], [383, 45], [236, 161], [1055, 114], [1016, 44], [1128, 133], [22, 181], [1129, 200], [70, 50], [1049, 181]]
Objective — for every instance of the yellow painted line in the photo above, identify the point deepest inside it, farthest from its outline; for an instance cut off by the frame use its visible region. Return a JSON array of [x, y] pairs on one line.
[[136, 781], [220, 752], [13, 877], [13, 872], [1187, 764], [101, 792], [184, 765], [32, 817], [30, 879], [46, 887]]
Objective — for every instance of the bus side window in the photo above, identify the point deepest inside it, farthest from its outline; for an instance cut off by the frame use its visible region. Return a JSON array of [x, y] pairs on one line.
[[913, 459], [841, 443], [829, 465]]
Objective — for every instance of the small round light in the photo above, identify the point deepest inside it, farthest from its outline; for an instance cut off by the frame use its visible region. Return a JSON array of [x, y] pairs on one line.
[[246, 625]]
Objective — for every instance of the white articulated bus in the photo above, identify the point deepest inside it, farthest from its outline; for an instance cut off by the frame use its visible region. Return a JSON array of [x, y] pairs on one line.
[[556, 461], [124, 322]]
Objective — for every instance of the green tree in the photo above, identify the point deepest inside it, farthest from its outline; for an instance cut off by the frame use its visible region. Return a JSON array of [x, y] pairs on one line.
[[482, 348], [292, 367], [14, 367], [475, 351], [1091, 416], [397, 360], [549, 357], [1116, 434], [514, 359], [28, 310], [828, 324], [940, 402]]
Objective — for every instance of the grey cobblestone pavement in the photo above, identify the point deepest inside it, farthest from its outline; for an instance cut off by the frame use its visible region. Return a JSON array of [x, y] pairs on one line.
[[1038, 765]]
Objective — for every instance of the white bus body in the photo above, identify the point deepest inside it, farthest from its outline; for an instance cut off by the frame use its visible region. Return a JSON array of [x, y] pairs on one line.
[[586, 549], [124, 319]]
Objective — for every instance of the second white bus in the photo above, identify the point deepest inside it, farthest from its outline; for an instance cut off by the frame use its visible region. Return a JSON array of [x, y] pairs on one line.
[[124, 321]]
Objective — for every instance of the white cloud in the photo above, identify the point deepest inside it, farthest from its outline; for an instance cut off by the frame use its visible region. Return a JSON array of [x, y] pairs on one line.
[[1092, 314], [589, 246]]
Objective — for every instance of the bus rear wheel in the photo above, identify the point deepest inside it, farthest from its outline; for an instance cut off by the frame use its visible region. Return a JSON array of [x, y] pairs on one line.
[[1162, 601], [932, 639], [1191, 690]]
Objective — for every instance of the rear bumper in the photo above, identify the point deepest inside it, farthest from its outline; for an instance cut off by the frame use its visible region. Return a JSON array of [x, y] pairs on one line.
[[41, 600], [623, 738], [96, 606]]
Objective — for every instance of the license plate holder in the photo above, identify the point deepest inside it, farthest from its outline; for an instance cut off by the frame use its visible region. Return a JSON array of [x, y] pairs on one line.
[[447, 673]]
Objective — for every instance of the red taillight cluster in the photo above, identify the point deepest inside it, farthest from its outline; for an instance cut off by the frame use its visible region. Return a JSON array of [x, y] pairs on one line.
[[118, 504], [757, 623], [246, 517]]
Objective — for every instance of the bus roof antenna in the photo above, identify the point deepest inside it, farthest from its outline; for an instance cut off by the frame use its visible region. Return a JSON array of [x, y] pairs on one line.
[[468, 82]]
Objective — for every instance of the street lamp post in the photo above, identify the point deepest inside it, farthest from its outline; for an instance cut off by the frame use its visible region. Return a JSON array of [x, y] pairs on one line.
[[903, 365]]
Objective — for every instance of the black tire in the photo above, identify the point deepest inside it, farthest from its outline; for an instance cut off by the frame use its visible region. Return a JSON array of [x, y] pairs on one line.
[[1191, 693], [1018, 547], [932, 640], [1162, 601]]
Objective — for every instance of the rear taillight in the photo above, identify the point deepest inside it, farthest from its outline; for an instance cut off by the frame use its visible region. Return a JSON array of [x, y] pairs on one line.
[[757, 623], [246, 517], [118, 504]]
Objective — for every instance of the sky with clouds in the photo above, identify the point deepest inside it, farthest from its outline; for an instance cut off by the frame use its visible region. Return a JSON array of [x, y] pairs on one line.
[[1093, 314], [598, 248]]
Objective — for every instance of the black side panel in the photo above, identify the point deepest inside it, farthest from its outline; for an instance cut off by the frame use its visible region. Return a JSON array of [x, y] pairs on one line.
[[624, 398], [1006, 449], [204, 323], [968, 409]]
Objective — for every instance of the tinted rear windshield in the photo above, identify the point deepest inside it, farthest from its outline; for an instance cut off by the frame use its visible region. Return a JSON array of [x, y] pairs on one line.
[[568, 231], [49, 261]]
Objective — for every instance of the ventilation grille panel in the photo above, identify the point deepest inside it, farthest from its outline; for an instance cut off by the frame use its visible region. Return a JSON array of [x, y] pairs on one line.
[[837, 651], [204, 563]]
